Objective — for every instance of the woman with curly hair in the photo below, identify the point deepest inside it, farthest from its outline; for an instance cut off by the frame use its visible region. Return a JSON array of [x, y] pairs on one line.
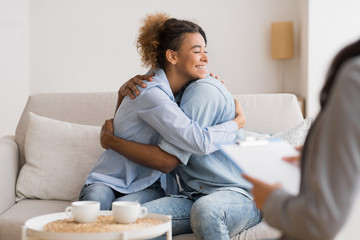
[[155, 113], [215, 202]]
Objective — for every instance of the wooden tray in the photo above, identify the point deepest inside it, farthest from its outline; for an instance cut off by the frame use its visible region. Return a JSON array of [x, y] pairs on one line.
[[34, 229]]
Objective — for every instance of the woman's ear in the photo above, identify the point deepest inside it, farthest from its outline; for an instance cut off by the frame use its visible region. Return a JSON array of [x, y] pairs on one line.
[[171, 56]]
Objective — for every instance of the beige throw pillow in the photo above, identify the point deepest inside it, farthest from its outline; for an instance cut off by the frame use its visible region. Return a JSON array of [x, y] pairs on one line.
[[59, 156]]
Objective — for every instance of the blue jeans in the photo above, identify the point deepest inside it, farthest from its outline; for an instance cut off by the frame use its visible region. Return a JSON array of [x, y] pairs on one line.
[[217, 216], [106, 195]]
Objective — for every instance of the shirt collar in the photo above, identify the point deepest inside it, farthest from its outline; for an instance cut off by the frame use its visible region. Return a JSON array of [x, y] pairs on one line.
[[164, 82]]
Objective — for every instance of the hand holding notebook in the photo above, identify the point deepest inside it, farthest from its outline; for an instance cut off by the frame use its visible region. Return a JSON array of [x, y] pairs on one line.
[[264, 162]]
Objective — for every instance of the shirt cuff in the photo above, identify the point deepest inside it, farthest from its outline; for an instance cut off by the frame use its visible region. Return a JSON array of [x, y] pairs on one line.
[[234, 125], [240, 134], [182, 155]]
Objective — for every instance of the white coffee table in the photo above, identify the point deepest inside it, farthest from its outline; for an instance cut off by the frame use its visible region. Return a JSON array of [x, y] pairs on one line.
[[33, 230]]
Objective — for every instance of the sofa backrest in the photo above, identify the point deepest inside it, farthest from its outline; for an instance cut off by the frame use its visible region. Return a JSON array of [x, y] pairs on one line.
[[270, 113], [265, 113]]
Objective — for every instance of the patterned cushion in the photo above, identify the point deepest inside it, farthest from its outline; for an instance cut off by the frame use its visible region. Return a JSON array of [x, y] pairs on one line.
[[295, 136]]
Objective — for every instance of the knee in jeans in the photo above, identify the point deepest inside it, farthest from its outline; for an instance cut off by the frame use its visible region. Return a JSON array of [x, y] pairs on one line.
[[204, 209], [203, 216], [93, 196], [98, 192]]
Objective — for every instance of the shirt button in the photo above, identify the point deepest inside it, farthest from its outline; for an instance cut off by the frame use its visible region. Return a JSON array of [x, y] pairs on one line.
[[201, 187]]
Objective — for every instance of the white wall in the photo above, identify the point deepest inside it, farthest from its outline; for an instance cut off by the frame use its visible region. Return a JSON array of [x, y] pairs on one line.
[[14, 84], [89, 45], [302, 84], [332, 25]]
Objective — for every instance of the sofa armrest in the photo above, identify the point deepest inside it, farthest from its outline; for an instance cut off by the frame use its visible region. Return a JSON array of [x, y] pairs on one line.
[[9, 168]]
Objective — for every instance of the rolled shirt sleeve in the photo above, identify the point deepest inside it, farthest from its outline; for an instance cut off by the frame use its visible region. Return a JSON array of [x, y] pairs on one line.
[[182, 155]]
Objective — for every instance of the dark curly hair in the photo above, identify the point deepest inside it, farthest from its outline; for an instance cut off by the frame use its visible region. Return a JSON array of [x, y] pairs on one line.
[[160, 33]]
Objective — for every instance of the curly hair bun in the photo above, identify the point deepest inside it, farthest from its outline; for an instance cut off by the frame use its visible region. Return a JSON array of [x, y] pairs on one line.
[[148, 39]]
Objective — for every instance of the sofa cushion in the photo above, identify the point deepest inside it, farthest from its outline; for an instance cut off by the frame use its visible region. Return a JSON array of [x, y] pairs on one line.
[[260, 231], [12, 220], [59, 155]]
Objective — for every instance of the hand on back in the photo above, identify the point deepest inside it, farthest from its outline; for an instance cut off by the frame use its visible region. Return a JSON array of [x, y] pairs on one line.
[[131, 86]]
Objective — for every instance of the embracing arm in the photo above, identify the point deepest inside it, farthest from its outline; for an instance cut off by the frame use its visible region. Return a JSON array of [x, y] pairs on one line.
[[144, 154], [173, 125], [130, 88], [176, 128]]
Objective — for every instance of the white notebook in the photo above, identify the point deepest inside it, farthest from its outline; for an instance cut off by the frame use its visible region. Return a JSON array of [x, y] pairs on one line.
[[263, 160]]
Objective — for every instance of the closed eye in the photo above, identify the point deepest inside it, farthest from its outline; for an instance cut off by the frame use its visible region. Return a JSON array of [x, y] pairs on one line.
[[198, 49], [200, 52]]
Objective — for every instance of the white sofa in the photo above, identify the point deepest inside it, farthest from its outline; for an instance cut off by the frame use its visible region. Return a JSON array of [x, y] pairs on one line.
[[265, 113]]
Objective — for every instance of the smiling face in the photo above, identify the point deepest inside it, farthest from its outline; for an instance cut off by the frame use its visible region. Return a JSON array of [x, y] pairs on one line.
[[191, 58]]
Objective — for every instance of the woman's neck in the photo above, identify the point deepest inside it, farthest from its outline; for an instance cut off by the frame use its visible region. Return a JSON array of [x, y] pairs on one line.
[[176, 80]]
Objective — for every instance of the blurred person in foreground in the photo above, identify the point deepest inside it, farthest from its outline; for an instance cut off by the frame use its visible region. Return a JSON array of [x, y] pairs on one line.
[[330, 161]]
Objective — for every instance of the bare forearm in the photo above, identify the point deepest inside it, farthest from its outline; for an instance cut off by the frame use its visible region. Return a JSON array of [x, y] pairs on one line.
[[240, 121], [150, 156]]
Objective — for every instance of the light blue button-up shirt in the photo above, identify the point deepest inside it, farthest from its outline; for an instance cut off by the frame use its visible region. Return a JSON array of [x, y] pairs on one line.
[[208, 102], [153, 113]]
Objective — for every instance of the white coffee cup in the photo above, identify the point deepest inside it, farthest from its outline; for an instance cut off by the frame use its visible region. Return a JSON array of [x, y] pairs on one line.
[[128, 212], [83, 211]]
